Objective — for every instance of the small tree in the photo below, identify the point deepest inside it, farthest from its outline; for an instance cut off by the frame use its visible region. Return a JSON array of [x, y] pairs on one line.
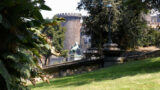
[[56, 36]]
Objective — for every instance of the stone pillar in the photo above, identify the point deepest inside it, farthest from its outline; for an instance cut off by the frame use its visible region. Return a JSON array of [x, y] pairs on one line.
[[112, 54]]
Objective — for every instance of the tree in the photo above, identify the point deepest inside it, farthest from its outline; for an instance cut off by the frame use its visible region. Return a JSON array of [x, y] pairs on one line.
[[146, 36], [128, 24], [143, 5], [56, 34], [131, 28], [21, 41], [96, 23]]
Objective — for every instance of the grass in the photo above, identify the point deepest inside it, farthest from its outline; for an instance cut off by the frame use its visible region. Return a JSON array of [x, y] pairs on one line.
[[137, 75]]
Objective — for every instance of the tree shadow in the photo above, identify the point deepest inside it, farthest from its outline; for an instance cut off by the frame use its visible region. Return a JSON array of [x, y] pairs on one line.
[[146, 66]]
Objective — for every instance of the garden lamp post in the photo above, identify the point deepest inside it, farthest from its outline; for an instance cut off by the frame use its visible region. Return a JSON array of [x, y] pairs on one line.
[[109, 45], [112, 54]]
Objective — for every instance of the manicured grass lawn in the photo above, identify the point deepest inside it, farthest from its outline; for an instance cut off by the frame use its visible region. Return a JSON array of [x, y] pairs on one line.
[[136, 75]]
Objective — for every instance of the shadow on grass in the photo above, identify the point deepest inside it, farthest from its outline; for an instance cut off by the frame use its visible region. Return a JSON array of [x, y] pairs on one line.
[[151, 65]]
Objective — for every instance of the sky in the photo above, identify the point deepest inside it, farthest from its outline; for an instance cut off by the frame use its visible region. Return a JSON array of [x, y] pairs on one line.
[[62, 6]]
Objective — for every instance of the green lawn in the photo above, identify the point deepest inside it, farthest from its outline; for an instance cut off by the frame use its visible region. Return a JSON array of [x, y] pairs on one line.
[[137, 75]]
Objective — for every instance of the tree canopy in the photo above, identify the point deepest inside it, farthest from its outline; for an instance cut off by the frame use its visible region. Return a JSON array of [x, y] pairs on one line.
[[127, 21], [95, 24]]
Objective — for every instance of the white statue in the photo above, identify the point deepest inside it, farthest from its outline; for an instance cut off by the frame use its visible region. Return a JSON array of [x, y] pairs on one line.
[[75, 49]]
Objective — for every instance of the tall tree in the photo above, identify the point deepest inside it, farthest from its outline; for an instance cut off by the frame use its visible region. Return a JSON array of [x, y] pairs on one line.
[[131, 28], [128, 24], [139, 32], [96, 23]]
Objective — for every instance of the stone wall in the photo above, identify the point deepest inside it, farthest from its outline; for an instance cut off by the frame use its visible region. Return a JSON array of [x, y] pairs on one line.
[[87, 65], [143, 56], [72, 25], [75, 67]]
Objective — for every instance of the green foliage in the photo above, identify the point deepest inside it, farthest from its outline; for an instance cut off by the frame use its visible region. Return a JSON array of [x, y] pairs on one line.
[[96, 24], [145, 6], [150, 37], [56, 33], [22, 43], [4, 73], [129, 29], [132, 29]]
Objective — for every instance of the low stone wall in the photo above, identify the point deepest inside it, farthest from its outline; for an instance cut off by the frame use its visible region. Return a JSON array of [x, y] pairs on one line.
[[75, 67], [81, 66], [143, 56]]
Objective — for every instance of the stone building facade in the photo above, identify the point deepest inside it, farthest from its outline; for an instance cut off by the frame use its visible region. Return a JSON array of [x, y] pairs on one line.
[[153, 21], [73, 26]]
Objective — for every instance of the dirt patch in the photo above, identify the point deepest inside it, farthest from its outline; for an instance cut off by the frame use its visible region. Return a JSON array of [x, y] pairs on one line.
[[147, 49]]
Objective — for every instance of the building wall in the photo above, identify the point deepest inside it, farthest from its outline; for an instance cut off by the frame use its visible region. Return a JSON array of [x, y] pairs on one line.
[[72, 25], [153, 21], [85, 40]]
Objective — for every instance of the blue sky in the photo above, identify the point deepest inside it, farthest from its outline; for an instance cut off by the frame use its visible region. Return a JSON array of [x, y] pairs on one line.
[[62, 6]]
